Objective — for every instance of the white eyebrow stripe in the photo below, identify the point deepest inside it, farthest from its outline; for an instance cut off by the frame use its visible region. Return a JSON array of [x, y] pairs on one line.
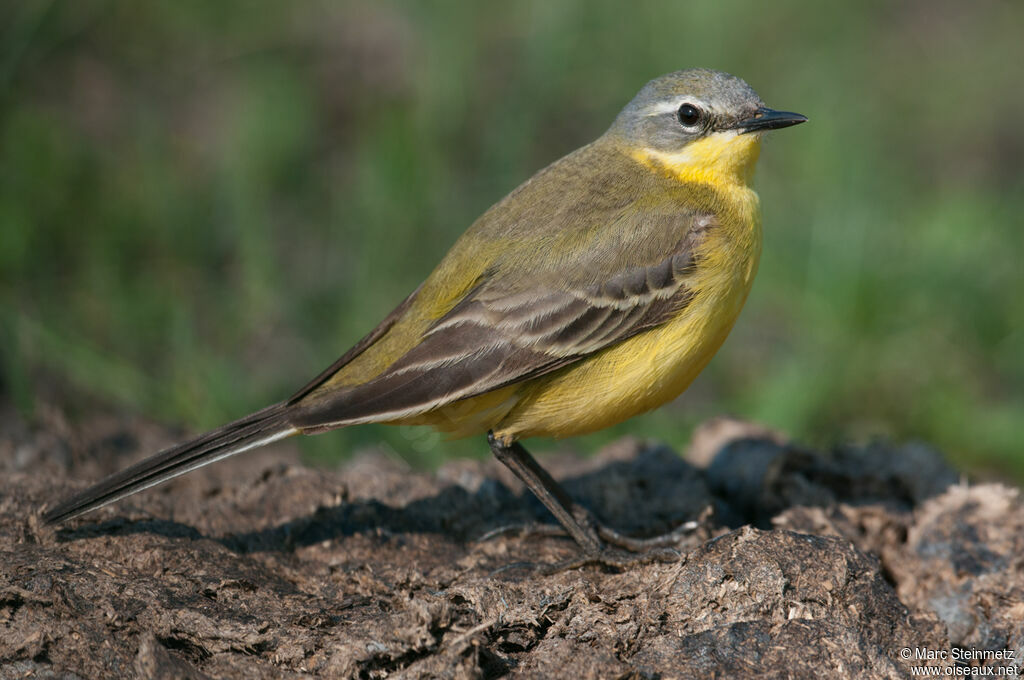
[[672, 106]]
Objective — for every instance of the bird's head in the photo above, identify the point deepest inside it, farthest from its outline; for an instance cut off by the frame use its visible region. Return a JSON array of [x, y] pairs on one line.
[[698, 124]]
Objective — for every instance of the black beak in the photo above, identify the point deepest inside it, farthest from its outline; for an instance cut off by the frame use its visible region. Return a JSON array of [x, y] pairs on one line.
[[769, 119]]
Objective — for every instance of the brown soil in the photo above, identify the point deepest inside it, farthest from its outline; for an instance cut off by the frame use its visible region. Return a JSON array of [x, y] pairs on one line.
[[804, 565]]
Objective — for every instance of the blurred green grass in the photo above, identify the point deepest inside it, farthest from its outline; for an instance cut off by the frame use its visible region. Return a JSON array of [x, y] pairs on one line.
[[203, 204]]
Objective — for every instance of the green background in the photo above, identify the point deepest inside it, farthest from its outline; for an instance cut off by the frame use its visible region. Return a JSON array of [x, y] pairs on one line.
[[202, 203]]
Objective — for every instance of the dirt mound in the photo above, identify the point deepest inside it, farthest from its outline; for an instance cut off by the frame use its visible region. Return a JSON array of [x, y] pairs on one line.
[[857, 563]]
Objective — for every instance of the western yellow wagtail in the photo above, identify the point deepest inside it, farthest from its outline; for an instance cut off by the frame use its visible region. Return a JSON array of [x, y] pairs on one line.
[[595, 291]]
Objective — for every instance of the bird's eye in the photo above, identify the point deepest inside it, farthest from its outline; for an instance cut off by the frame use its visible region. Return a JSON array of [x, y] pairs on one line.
[[689, 115]]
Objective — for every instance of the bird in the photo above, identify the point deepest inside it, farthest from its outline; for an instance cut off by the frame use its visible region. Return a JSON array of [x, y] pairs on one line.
[[596, 290]]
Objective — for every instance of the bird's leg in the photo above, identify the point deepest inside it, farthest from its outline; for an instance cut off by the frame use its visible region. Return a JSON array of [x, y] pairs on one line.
[[581, 525], [575, 519]]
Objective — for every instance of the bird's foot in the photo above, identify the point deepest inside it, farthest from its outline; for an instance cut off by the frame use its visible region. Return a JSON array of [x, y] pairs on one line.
[[524, 530], [614, 550], [612, 559]]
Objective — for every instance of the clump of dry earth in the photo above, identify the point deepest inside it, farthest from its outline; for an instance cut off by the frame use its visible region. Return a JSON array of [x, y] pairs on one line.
[[805, 564]]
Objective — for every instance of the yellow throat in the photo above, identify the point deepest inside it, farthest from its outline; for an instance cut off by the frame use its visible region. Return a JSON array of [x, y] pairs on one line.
[[720, 159]]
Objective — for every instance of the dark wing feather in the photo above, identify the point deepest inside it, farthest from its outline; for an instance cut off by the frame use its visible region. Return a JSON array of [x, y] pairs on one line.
[[494, 338]]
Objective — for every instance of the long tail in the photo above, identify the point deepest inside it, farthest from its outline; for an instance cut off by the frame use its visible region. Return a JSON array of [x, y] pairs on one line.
[[254, 430]]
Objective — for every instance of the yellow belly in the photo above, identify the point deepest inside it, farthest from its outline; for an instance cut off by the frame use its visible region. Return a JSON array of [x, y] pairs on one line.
[[631, 378], [635, 376]]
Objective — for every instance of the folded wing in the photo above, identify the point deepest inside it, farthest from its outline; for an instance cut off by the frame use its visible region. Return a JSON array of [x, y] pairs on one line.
[[498, 335]]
